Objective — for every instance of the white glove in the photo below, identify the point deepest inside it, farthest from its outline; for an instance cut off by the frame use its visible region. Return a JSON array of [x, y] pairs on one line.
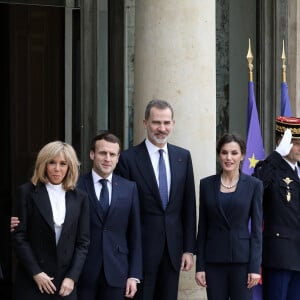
[[285, 144]]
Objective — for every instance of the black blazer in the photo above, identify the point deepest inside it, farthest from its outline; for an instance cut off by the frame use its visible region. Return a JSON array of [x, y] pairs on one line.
[[115, 239], [177, 224], [34, 239], [281, 235], [226, 238]]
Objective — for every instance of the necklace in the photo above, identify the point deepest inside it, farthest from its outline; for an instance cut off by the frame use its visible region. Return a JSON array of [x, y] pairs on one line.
[[229, 186]]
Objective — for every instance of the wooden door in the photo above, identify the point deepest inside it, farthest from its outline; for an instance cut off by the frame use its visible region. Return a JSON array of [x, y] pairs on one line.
[[36, 84], [32, 103]]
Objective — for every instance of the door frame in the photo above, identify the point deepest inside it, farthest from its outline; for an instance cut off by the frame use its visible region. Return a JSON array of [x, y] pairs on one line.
[[61, 3]]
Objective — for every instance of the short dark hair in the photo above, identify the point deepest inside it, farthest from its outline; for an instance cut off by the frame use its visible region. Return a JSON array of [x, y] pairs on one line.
[[160, 104], [107, 136], [231, 137]]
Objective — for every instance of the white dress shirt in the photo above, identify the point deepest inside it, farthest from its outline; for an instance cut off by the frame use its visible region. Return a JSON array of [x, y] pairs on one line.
[[98, 185], [57, 197], [154, 157]]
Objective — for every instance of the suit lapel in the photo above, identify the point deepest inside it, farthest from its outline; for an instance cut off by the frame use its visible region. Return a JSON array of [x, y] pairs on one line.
[[89, 184], [70, 204], [289, 171], [177, 165], [42, 201], [174, 160], [146, 169], [114, 194], [216, 190], [240, 190]]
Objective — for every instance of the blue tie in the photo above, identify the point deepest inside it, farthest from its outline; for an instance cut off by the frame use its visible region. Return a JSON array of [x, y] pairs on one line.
[[104, 197], [162, 179]]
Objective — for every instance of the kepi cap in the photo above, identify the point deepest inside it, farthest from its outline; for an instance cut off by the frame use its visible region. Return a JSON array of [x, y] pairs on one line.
[[292, 123]]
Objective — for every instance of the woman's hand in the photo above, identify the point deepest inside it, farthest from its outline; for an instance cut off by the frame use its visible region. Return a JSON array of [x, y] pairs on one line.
[[44, 283], [253, 279], [67, 287], [201, 279], [14, 222]]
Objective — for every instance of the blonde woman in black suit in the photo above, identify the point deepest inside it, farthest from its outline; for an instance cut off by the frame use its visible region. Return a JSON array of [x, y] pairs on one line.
[[228, 251], [52, 238]]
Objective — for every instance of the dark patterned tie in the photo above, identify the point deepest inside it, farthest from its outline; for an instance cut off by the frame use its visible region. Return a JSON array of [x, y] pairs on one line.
[[104, 196], [162, 179], [296, 171]]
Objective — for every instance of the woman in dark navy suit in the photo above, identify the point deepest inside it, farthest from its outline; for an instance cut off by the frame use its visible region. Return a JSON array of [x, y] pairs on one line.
[[51, 241], [229, 242]]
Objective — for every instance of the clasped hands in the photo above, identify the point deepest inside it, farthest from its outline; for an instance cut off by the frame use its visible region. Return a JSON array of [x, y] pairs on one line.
[[45, 284], [285, 144]]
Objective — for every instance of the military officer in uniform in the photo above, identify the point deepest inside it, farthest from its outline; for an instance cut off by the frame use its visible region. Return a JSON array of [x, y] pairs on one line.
[[281, 211]]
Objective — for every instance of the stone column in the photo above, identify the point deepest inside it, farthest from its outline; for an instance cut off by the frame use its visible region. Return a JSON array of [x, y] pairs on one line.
[[175, 61]]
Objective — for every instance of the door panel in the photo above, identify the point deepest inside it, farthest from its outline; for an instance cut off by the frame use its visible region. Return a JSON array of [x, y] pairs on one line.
[[36, 84], [32, 103]]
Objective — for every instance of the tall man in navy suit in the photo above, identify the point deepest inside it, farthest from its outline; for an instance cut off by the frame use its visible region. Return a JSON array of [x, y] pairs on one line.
[[168, 225], [114, 261]]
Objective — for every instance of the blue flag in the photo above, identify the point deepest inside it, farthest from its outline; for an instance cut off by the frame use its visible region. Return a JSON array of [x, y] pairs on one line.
[[254, 153], [286, 110], [255, 149]]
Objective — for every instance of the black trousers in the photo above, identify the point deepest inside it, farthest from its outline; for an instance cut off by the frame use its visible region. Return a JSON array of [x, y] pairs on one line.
[[162, 284], [227, 281], [106, 292]]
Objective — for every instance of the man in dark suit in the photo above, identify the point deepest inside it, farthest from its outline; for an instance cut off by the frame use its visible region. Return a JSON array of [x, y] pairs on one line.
[[168, 217], [114, 262], [281, 210], [113, 266]]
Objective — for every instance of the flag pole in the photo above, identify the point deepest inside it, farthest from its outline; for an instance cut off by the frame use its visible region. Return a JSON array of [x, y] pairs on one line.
[[254, 149], [283, 57], [250, 61]]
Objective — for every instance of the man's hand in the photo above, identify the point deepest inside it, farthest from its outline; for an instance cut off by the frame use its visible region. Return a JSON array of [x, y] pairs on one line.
[[67, 287], [44, 283], [187, 261], [201, 279], [253, 279], [131, 288], [285, 144], [14, 222]]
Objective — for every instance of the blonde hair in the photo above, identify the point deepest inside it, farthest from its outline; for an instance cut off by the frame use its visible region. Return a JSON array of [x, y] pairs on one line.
[[48, 153]]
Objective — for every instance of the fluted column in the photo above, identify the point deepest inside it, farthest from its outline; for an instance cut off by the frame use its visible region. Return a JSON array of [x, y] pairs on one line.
[[175, 61]]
